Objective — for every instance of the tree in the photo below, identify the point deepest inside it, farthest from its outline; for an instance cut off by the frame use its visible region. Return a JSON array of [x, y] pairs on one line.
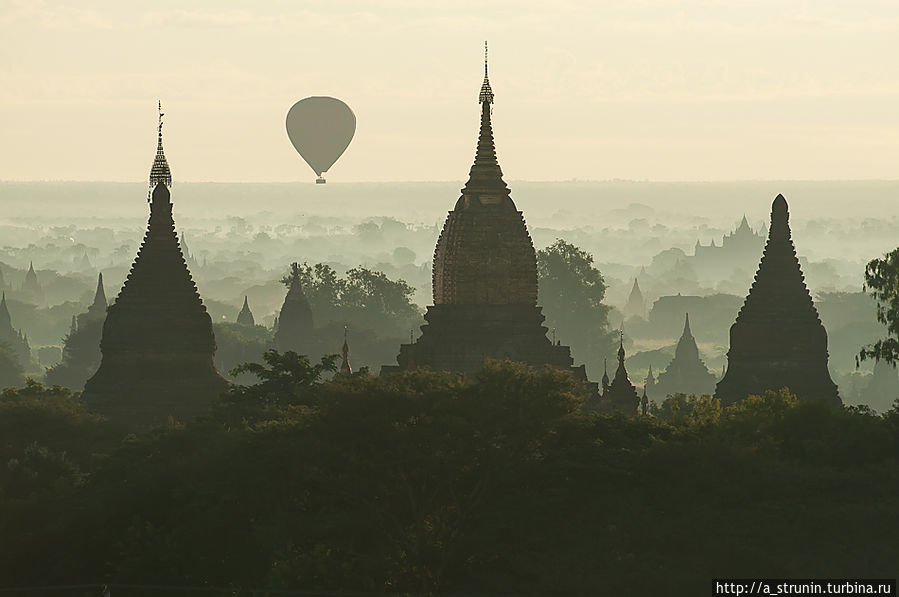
[[882, 282], [364, 299], [571, 292]]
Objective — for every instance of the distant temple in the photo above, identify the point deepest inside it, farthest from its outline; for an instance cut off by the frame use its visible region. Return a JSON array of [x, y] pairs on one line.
[[14, 339], [739, 250], [245, 317], [686, 373], [81, 347], [778, 339], [345, 368], [31, 288], [157, 344], [484, 279], [620, 395], [293, 327], [636, 304]]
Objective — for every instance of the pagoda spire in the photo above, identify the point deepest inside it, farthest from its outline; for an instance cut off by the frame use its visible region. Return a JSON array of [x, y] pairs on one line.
[[605, 375], [98, 307], [345, 368], [245, 317], [485, 184], [159, 172]]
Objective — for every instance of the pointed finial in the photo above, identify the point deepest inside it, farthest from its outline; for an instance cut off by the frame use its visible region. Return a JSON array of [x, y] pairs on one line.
[[159, 172], [687, 325], [486, 95]]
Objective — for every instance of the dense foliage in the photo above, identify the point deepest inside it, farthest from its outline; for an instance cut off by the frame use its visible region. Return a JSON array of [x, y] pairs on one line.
[[423, 483], [571, 292], [882, 282], [365, 297]]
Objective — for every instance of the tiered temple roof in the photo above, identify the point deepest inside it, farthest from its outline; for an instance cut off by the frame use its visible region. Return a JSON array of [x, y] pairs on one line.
[[778, 339], [686, 373], [158, 344], [484, 277]]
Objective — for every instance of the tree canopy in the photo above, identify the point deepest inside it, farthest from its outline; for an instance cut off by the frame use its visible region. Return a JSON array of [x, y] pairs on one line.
[[571, 292]]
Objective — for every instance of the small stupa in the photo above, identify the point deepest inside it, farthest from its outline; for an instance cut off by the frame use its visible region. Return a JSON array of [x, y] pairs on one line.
[[245, 317], [294, 323], [686, 373]]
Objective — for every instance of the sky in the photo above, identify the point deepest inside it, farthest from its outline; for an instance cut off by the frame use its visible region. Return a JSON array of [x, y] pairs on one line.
[[668, 90]]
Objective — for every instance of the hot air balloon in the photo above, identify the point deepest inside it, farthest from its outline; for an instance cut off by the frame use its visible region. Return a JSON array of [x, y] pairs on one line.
[[320, 129]]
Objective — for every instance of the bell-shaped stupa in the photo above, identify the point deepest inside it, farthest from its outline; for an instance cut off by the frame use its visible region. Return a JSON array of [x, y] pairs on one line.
[[484, 278]]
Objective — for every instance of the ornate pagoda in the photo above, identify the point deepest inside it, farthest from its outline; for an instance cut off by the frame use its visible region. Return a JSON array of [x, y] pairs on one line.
[[484, 278], [157, 345], [778, 340], [686, 373]]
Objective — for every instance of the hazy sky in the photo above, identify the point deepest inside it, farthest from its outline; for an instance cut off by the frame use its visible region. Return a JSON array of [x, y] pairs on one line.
[[649, 89]]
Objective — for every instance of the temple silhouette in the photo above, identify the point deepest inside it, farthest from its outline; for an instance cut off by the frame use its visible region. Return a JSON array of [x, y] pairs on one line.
[[620, 395], [686, 373], [778, 340], [81, 347], [245, 317], [293, 326], [484, 278], [157, 344]]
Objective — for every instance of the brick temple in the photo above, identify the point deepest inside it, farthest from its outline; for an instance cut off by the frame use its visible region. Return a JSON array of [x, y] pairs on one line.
[[778, 340], [484, 278], [157, 345]]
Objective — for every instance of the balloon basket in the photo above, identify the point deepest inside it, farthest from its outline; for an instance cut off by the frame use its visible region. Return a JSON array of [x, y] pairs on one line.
[[320, 180]]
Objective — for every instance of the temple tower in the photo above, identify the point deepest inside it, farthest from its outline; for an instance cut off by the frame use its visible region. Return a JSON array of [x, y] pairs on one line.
[[31, 288], [778, 339], [245, 317], [620, 395], [636, 305], [686, 373], [294, 323], [345, 368], [157, 344], [484, 278]]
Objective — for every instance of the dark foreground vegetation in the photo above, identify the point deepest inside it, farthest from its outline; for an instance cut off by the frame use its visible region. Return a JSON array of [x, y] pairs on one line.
[[420, 484]]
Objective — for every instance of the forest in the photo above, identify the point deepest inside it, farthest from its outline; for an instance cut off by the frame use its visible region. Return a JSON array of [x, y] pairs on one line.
[[422, 484]]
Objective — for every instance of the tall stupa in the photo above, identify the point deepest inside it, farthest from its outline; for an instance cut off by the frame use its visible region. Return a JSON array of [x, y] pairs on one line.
[[484, 278], [157, 344], [778, 340]]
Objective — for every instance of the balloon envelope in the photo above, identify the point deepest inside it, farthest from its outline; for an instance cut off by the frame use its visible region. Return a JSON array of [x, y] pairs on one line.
[[320, 129]]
